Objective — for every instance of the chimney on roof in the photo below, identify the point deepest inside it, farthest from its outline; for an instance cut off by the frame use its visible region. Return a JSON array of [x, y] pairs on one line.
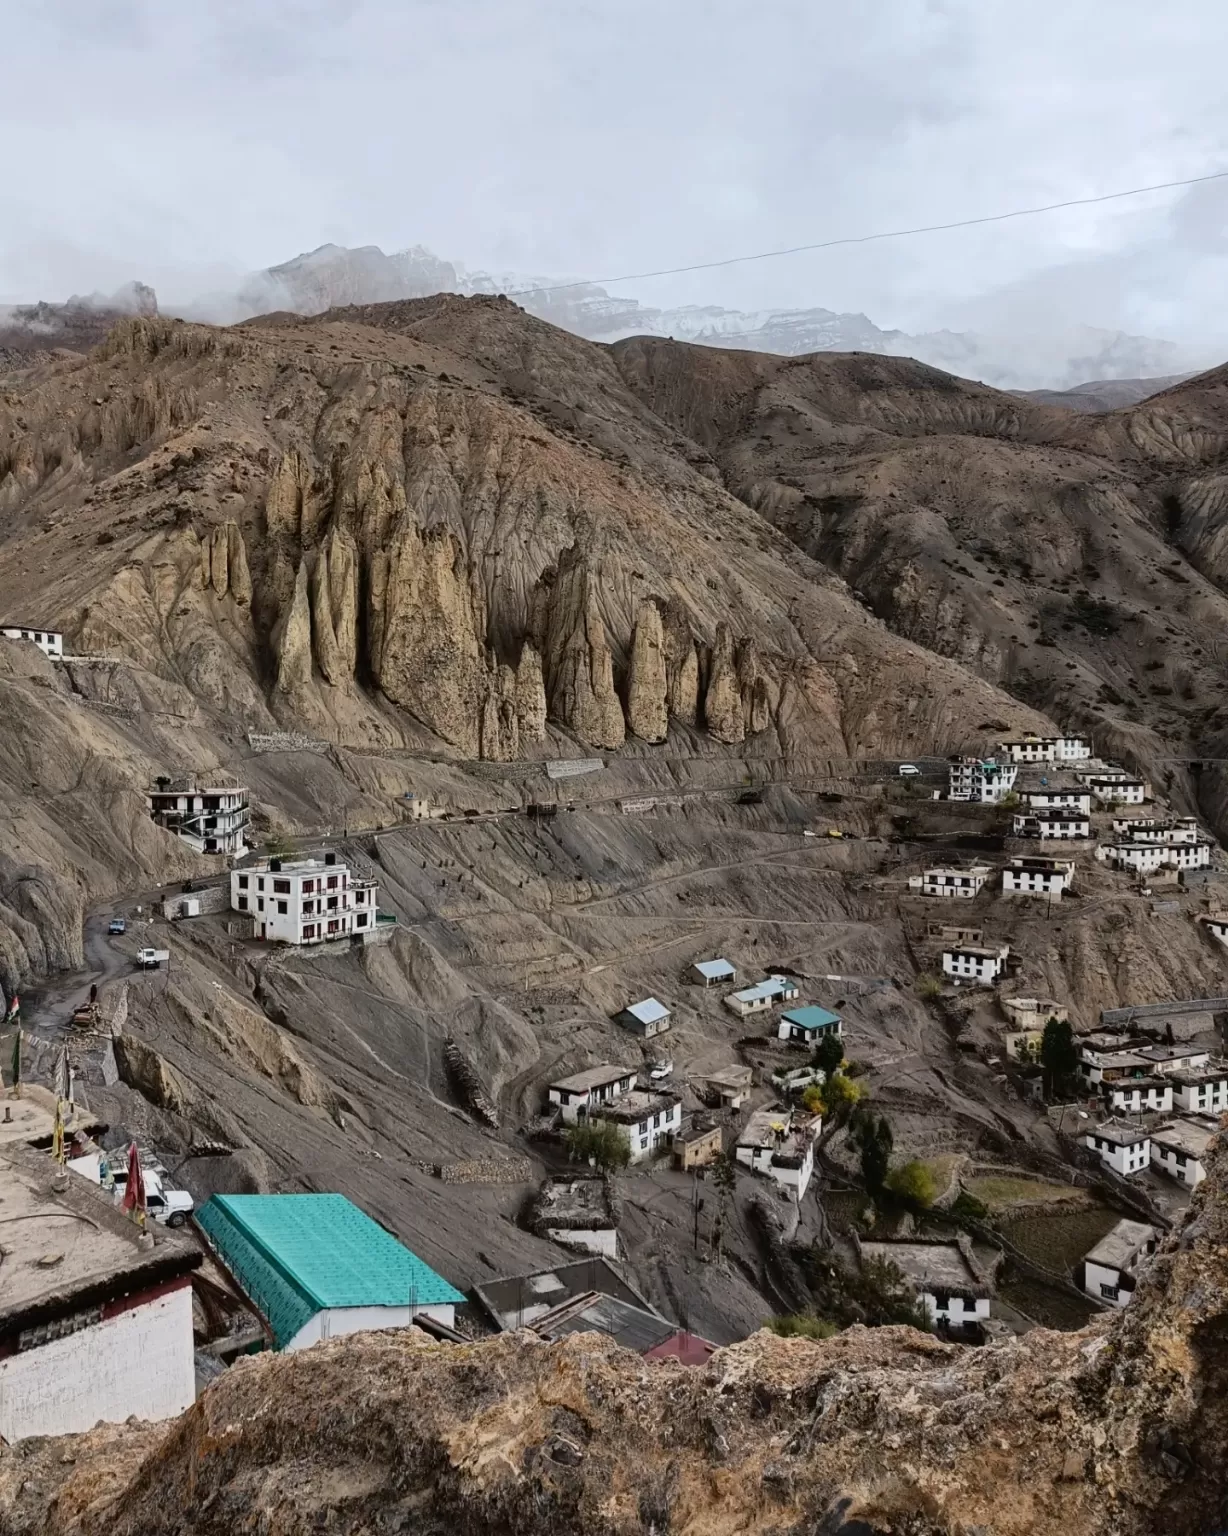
[[330, 858], [275, 865]]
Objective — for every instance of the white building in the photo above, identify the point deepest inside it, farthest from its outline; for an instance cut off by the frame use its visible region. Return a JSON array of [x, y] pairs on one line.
[[212, 818], [1151, 829], [1033, 1013], [1178, 1150], [1174, 1058], [1146, 858], [983, 781], [1216, 925], [763, 995], [1119, 791], [648, 1119], [939, 1274], [1046, 878], [1048, 825], [1111, 1269], [582, 1092], [1058, 800], [93, 1323], [304, 901], [779, 1143], [1202, 1091], [1137, 1096], [1102, 1066], [978, 963], [49, 641], [708, 973], [316, 1267], [1122, 1147], [950, 882], [1047, 749]]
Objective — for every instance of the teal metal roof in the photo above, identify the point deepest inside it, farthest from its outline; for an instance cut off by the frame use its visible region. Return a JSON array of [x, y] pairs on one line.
[[296, 1255], [811, 1017]]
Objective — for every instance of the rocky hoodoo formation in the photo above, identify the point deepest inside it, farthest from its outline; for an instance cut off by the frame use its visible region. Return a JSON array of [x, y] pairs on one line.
[[1117, 1431], [405, 525]]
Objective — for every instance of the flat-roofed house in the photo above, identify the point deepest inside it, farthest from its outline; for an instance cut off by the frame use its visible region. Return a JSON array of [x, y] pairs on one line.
[[1046, 878], [730, 1085], [583, 1091], [649, 1120], [95, 1320], [954, 1298], [1146, 858], [957, 883], [1202, 1090], [1052, 826], [1178, 1149], [980, 964], [1110, 1270], [1123, 1147], [49, 641], [1137, 1096], [1053, 798], [779, 1143]]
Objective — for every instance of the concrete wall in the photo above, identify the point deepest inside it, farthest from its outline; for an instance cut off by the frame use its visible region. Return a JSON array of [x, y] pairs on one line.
[[603, 1240], [139, 1362], [335, 1321], [212, 898]]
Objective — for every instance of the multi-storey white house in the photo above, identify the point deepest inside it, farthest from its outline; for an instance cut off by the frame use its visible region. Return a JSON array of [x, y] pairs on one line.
[[304, 901], [1111, 1269], [1049, 825], [981, 780], [1058, 800], [1114, 791], [212, 818], [779, 1143], [1179, 1149], [583, 1092], [1047, 749], [1202, 1090], [977, 963], [1122, 1147], [49, 641], [950, 882], [1137, 1096], [1151, 829], [1046, 878], [649, 1120], [1146, 858]]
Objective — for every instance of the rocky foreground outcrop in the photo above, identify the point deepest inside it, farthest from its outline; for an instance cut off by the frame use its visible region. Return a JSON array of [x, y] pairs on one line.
[[1119, 1429]]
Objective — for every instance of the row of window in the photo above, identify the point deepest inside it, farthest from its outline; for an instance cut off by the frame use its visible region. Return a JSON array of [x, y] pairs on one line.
[[283, 887]]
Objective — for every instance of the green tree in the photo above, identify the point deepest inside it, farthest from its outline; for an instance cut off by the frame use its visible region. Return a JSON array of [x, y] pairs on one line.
[[913, 1183], [600, 1142], [812, 1100], [724, 1175], [841, 1095], [801, 1325], [929, 987], [1059, 1058], [828, 1054], [874, 1140]]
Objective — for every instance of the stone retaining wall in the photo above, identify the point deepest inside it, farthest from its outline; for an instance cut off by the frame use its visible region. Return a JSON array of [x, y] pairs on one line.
[[212, 898], [486, 1170]]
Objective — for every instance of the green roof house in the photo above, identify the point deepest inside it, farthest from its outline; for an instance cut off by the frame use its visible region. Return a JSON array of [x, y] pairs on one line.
[[315, 1266], [807, 1026]]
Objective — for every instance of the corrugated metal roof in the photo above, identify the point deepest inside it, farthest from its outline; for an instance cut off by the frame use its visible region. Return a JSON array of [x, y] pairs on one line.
[[774, 986], [648, 1011], [296, 1255], [714, 970], [811, 1017]]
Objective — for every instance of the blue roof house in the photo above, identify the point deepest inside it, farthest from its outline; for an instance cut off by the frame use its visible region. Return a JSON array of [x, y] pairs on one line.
[[807, 1026], [315, 1267]]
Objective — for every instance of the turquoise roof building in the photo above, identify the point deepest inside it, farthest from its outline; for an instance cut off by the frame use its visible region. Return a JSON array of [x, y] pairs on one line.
[[316, 1266], [809, 1025]]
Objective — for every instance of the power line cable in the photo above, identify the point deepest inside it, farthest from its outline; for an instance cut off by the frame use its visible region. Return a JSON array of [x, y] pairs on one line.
[[886, 234]]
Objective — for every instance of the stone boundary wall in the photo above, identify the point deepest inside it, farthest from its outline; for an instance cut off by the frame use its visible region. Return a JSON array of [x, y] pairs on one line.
[[212, 898], [285, 741], [486, 1170]]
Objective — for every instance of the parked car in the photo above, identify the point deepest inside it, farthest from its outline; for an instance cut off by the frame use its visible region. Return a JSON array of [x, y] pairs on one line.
[[660, 1070], [117, 925], [908, 771]]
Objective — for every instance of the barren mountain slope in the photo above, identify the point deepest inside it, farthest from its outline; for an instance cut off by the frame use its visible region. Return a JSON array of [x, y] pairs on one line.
[[1117, 1430], [439, 521], [1074, 561]]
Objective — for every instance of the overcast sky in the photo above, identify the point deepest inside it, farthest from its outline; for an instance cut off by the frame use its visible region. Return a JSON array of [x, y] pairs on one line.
[[186, 144]]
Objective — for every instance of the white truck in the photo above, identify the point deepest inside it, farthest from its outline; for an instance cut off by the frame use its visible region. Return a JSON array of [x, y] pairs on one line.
[[150, 959], [171, 1207]]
